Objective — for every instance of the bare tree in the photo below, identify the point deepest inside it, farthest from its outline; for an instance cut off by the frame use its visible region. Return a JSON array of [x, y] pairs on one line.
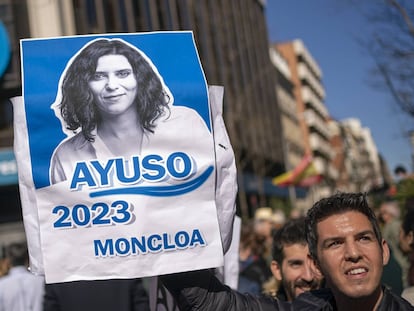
[[391, 44]]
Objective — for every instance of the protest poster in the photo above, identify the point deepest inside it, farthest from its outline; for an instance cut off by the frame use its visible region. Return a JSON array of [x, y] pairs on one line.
[[115, 156]]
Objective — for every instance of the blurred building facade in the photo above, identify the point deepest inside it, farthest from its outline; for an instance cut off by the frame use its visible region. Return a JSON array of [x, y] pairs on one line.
[[362, 159], [312, 112], [343, 152], [359, 165], [340, 160], [293, 142]]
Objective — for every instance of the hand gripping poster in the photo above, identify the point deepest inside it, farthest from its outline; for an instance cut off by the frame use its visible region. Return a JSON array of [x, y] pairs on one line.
[[116, 157]]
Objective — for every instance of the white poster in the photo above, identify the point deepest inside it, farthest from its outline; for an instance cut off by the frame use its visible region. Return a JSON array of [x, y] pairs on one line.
[[116, 157]]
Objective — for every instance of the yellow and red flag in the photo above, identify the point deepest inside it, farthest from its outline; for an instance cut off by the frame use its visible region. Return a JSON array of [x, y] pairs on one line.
[[304, 174]]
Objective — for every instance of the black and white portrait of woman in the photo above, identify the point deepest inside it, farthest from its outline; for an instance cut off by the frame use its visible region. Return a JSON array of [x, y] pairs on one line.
[[112, 102]]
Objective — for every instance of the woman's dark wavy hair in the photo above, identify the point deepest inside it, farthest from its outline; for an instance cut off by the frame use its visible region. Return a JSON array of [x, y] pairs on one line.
[[77, 106], [337, 204]]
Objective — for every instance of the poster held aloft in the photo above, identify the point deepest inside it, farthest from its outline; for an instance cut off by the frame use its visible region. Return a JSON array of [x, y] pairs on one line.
[[118, 179]]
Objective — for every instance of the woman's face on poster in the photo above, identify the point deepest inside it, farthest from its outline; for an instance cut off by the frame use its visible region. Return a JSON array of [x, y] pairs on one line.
[[114, 85]]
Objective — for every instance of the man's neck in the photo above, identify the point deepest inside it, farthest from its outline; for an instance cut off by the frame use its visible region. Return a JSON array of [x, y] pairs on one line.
[[370, 303]]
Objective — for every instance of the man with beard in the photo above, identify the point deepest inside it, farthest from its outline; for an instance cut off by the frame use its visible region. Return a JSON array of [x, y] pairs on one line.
[[291, 265]]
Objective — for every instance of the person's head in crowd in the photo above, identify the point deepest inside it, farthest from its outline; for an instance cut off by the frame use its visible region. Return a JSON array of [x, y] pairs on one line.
[[345, 241], [263, 222], [278, 219], [254, 270], [400, 172], [295, 213], [389, 211], [291, 264], [17, 255], [407, 232], [251, 243], [88, 88]]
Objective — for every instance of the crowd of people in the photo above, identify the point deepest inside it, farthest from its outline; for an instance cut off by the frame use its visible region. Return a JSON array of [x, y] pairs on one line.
[[20, 290], [332, 259], [344, 253], [395, 221]]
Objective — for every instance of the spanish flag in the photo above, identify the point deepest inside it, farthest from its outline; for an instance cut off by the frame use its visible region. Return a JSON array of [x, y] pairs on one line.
[[304, 174]]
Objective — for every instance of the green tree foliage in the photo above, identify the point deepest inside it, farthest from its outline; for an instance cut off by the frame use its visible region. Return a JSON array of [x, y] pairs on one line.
[[405, 193]]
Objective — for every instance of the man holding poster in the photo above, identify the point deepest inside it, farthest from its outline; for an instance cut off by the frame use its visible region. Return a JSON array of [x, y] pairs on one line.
[[131, 188]]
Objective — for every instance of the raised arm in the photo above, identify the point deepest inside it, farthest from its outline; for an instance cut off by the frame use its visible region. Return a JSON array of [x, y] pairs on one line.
[[201, 290]]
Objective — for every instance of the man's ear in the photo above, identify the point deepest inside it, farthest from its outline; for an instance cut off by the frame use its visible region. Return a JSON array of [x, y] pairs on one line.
[[314, 266], [385, 252], [276, 270]]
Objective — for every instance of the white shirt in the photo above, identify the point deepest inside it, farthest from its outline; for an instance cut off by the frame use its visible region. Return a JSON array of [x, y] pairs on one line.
[[21, 290]]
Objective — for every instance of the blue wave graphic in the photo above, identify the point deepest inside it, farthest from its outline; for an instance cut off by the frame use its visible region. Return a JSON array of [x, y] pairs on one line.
[[159, 191]]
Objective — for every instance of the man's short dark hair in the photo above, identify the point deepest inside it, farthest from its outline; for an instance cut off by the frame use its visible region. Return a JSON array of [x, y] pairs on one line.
[[399, 169], [337, 204], [292, 232], [17, 254]]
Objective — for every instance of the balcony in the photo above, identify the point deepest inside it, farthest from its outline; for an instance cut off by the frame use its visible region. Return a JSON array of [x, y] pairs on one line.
[[333, 172], [301, 50], [317, 143], [325, 168], [309, 96], [305, 74], [280, 63], [320, 166], [314, 120], [287, 103], [292, 131]]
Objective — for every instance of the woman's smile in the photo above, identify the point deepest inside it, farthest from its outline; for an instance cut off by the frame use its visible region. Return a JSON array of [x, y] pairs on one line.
[[114, 85]]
